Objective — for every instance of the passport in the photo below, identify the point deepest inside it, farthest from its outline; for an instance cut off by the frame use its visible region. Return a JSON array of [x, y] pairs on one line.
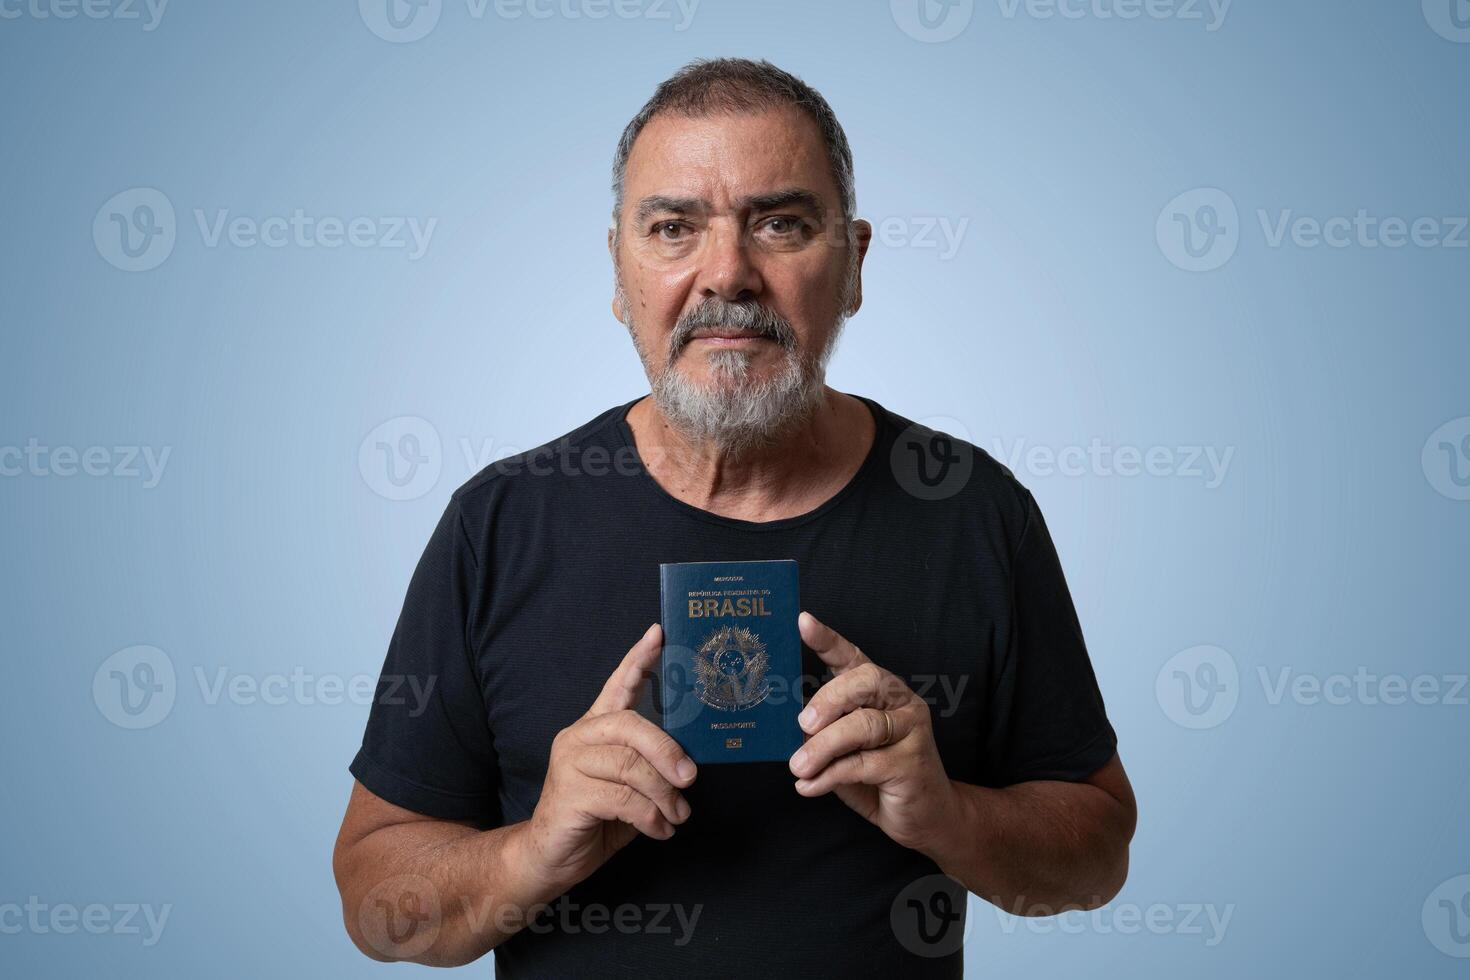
[[730, 671]]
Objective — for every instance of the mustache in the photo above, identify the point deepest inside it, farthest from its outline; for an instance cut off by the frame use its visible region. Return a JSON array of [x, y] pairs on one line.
[[751, 316]]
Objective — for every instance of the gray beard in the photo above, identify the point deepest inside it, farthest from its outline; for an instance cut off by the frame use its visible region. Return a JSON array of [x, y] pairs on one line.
[[734, 412]]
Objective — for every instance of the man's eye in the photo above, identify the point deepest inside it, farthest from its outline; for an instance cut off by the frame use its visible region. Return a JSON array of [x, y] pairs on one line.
[[784, 227], [670, 231]]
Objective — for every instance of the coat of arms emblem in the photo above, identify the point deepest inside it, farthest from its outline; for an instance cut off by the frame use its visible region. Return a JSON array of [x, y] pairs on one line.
[[730, 669]]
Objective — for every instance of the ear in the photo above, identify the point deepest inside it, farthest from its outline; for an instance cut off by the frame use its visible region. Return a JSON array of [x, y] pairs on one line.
[[617, 308], [862, 237]]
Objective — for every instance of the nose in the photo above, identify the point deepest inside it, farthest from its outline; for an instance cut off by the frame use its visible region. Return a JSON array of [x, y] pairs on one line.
[[726, 268]]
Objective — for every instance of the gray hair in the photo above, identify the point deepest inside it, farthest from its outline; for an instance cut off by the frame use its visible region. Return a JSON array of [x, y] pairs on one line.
[[713, 85]]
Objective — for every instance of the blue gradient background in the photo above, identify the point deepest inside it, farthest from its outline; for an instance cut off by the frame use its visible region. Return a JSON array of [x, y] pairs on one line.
[[1059, 320]]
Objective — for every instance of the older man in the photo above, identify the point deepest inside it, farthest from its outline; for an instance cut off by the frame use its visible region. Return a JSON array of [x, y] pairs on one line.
[[959, 742]]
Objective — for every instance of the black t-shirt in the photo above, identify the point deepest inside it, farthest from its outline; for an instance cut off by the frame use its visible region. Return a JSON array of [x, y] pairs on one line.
[[544, 570]]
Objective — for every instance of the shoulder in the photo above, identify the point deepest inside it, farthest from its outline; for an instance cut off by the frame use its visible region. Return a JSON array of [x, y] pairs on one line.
[[935, 459], [937, 468], [592, 447]]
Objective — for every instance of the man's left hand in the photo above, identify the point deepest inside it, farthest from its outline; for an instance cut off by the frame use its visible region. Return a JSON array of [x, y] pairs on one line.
[[872, 743]]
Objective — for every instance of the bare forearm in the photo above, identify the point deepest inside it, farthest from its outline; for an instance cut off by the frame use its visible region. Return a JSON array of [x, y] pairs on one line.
[[437, 893], [443, 892], [1037, 848]]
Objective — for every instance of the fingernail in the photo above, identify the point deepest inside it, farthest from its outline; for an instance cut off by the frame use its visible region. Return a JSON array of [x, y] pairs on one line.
[[798, 760], [805, 719], [681, 809], [685, 769]]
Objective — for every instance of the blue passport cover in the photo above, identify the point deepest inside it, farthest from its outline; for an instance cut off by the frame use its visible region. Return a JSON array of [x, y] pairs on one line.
[[730, 674]]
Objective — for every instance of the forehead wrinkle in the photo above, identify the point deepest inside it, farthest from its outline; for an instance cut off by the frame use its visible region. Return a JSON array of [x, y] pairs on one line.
[[773, 148]]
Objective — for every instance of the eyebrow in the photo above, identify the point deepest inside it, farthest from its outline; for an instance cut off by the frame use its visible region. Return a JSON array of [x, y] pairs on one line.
[[658, 204], [792, 197], [798, 197]]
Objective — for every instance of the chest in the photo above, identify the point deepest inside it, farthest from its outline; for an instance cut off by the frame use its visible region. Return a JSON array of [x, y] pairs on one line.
[[929, 610]]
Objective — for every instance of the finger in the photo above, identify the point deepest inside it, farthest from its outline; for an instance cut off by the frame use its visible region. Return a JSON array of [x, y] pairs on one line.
[[623, 686], [629, 728], [834, 650], [866, 685], [620, 764], [619, 801], [862, 729], [863, 767]]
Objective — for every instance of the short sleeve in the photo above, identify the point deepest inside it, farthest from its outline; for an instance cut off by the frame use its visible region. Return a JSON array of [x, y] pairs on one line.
[[1047, 719], [427, 746]]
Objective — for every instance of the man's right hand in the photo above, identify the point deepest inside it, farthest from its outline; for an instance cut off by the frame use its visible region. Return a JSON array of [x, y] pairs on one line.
[[612, 775]]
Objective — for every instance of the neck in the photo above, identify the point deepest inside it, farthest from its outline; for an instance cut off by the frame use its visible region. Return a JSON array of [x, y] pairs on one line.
[[794, 473]]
